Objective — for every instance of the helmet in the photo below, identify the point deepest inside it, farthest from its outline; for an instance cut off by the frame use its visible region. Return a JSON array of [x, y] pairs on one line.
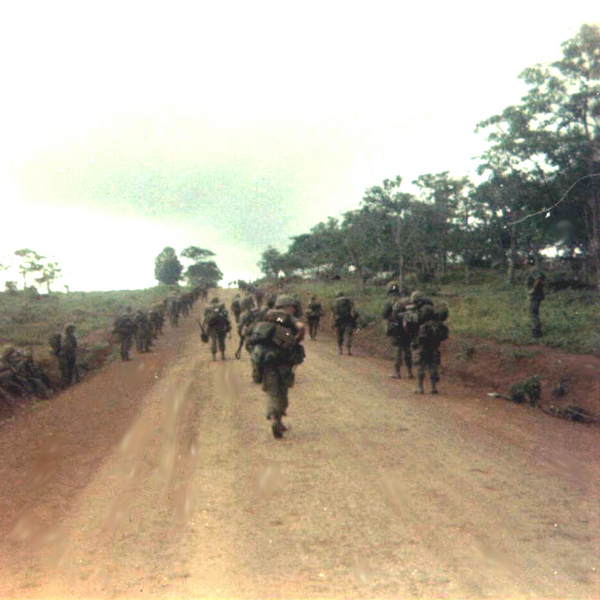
[[416, 296], [215, 301], [392, 288], [70, 328], [271, 302], [340, 295], [285, 300]]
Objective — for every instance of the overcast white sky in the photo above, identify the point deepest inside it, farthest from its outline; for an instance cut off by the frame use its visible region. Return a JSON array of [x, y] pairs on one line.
[[130, 126]]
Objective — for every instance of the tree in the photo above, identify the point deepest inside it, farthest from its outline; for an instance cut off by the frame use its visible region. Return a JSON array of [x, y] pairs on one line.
[[553, 136], [167, 268], [271, 262], [50, 273], [30, 263], [196, 254], [205, 274], [397, 232], [202, 272]]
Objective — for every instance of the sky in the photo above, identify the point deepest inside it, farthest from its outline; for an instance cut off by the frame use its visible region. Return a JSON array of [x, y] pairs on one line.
[[128, 126]]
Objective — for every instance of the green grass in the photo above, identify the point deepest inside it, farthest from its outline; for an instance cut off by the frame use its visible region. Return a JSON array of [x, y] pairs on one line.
[[488, 310], [25, 321]]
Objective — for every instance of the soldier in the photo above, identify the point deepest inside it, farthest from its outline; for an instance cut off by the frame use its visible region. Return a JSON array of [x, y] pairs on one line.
[[247, 319], [156, 319], [124, 328], [216, 322], [429, 332], [259, 295], [67, 360], [344, 319], [393, 311], [35, 374], [535, 290], [174, 309], [143, 338], [314, 312], [236, 308], [277, 349]]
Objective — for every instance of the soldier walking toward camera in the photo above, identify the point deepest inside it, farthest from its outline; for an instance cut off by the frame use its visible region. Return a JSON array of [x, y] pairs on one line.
[[216, 322], [124, 328], [345, 318], [428, 331], [393, 312], [276, 348], [314, 312], [67, 360], [535, 290]]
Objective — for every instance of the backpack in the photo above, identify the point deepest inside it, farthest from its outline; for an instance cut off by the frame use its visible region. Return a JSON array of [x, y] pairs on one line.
[[343, 307], [433, 332], [55, 342], [394, 329], [215, 316]]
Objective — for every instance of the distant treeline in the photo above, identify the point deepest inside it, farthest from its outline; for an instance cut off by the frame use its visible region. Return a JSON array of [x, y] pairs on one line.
[[540, 189]]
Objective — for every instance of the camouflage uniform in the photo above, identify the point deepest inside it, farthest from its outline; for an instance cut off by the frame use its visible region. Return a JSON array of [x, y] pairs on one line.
[[236, 308], [143, 337], [278, 365], [535, 290], [124, 328], [426, 342], [344, 324], [314, 313], [174, 309], [393, 311], [67, 360], [259, 295], [216, 322]]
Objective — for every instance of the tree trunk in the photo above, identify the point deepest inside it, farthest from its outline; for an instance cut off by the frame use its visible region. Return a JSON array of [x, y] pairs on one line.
[[595, 207], [510, 273], [401, 272]]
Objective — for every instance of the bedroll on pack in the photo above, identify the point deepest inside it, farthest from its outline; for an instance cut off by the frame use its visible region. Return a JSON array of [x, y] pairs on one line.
[[264, 355]]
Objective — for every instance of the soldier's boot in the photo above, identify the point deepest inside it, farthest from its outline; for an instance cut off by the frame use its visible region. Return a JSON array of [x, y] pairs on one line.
[[397, 374], [277, 427], [419, 389], [434, 386], [340, 350], [223, 355], [349, 351], [214, 356], [410, 373]]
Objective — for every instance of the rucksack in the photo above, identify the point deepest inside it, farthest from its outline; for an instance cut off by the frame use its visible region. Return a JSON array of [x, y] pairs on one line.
[[55, 342], [343, 307], [215, 316]]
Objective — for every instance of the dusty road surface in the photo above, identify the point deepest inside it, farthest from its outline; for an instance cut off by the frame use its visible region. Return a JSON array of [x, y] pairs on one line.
[[160, 478]]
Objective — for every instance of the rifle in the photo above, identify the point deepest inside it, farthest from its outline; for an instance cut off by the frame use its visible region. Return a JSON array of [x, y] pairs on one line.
[[203, 335]]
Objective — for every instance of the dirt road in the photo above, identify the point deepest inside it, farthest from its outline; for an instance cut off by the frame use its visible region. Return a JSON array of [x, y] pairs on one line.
[[160, 478]]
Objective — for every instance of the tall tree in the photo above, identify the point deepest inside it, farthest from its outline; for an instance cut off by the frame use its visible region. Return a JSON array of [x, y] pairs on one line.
[[167, 268], [271, 262], [30, 263], [50, 273], [554, 134], [389, 202], [205, 273]]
